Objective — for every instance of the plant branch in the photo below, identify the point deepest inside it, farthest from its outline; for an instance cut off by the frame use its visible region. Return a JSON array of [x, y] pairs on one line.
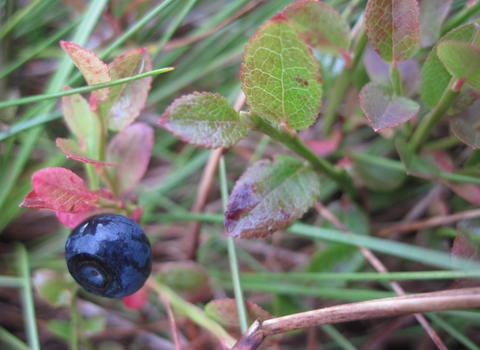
[[388, 307], [289, 139]]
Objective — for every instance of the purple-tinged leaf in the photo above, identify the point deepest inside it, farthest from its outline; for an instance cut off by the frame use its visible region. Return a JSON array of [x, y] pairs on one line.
[[81, 121], [204, 119], [320, 26], [466, 247], [466, 127], [384, 109], [280, 76], [131, 149], [462, 61], [270, 196], [94, 70], [434, 77], [469, 192], [379, 72], [72, 150], [62, 190], [432, 15], [393, 28], [126, 101], [375, 176], [323, 147]]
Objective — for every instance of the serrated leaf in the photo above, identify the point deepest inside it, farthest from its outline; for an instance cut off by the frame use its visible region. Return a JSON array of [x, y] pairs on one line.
[[270, 196], [132, 149], [462, 60], [204, 119], [320, 26], [432, 15], [79, 118], [280, 76], [393, 28], [94, 70], [374, 176], [466, 127], [434, 77], [126, 101], [62, 190], [72, 150], [383, 108]]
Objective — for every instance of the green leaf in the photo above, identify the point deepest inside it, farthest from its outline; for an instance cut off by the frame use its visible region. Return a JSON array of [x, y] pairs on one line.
[[126, 101], [416, 165], [375, 176], [467, 246], [432, 15], [393, 28], [434, 76], [94, 70], [384, 109], [281, 78], [204, 119], [462, 60], [320, 26], [270, 196], [53, 287]]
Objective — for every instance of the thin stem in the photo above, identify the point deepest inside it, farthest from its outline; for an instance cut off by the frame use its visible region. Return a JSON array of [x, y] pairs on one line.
[[9, 339], [289, 139], [81, 90], [396, 79], [433, 117], [232, 255], [27, 298], [461, 17]]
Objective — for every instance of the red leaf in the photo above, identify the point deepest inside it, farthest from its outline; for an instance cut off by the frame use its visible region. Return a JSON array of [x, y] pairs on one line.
[[62, 190], [324, 147], [131, 148], [32, 201], [73, 220], [72, 150], [93, 68], [137, 299]]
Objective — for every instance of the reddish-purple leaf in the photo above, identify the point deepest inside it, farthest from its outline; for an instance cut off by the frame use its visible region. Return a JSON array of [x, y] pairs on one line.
[[33, 201], [126, 101], [384, 109], [72, 150], [204, 119], [63, 190], [136, 300], [432, 15], [320, 26], [280, 76], [323, 147], [94, 70], [466, 247], [131, 149], [379, 72], [469, 192], [270, 196], [465, 126], [393, 28]]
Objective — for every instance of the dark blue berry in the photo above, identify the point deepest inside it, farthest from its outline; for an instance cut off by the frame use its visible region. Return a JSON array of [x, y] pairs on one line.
[[109, 255]]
